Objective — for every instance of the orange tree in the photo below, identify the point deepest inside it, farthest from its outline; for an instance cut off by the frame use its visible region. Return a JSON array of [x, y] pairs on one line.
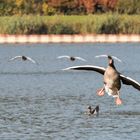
[[64, 6]]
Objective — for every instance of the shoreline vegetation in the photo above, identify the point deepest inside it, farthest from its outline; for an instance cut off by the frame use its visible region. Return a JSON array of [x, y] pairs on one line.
[[109, 23]]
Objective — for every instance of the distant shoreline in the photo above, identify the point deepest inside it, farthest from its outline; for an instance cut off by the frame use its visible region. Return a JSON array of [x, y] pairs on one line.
[[89, 38]]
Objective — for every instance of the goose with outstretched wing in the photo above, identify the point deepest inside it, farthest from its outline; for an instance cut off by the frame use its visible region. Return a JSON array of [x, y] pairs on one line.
[[112, 79], [72, 58], [23, 58]]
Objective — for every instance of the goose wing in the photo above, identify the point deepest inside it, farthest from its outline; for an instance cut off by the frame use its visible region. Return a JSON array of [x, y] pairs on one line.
[[80, 58], [129, 81], [63, 56], [30, 59], [96, 110], [98, 69], [16, 57]]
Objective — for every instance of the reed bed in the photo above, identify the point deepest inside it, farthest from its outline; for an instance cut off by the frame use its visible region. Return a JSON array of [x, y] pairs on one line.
[[59, 24]]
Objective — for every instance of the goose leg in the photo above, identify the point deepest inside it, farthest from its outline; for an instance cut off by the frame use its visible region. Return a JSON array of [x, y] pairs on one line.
[[118, 101], [101, 92]]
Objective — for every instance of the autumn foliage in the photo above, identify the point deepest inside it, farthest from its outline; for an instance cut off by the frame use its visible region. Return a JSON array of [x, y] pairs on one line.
[[67, 7], [90, 6]]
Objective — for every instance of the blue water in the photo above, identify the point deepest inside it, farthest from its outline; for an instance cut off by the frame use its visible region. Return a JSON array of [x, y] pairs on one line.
[[43, 102]]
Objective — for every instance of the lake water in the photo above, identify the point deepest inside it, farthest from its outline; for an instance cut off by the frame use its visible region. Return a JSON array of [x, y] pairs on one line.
[[42, 102]]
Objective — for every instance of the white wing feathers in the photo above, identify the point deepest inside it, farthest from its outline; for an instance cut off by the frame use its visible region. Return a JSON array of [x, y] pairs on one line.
[[80, 58], [104, 55], [69, 57], [30, 59], [16, 57], [63, 56], [21, 57], [98, 69]]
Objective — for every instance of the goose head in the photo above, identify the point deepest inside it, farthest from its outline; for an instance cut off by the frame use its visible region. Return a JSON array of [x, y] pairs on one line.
[[89, 107], [111, 62]]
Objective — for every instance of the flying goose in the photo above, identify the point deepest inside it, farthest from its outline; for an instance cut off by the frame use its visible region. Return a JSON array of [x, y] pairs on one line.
[[112, 79], [92, 111], [24, 58], [72, 58], [113, 57]]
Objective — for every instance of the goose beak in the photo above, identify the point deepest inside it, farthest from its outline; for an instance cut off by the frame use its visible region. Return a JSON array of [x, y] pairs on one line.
[[109, 57], [110, 60]]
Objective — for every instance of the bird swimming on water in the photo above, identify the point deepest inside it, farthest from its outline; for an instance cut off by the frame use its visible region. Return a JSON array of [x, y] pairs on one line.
[[92, 111], [72, 58], [112, 79], [24, 58]]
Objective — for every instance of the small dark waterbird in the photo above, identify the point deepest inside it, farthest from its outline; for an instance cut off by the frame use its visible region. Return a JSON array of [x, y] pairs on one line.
[[92, 111], [112, 79]]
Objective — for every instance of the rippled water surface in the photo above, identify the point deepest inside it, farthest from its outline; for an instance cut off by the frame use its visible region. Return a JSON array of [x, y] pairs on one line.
[[45, 103]]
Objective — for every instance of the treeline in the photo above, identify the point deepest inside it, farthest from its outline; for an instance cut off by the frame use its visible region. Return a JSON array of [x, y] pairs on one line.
[[24, 7], [91, 24], [67, 7]]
